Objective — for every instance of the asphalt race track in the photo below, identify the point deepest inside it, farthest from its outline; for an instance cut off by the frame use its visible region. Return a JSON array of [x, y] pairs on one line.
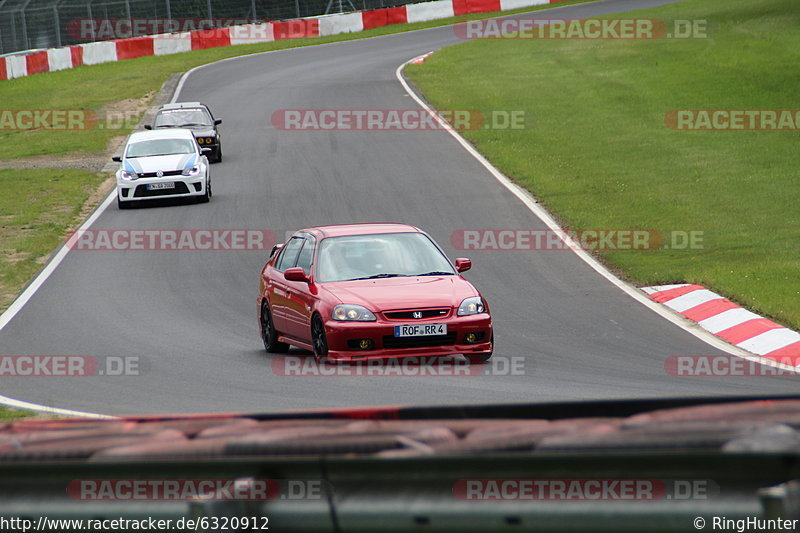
[[190, 317]]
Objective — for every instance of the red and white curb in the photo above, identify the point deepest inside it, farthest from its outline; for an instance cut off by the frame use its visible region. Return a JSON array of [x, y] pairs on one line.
[[727, 320]]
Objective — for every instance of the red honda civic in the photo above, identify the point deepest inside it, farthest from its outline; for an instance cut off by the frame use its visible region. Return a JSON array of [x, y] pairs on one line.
[[360, 291]]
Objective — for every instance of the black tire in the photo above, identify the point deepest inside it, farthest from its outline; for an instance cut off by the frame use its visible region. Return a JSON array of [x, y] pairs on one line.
[[207, 196], [268, 334], [318, 339], [481, 358], [218, 159], [123, 205]]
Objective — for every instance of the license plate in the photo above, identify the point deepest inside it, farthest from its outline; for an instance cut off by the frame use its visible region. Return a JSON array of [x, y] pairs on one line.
[[420, 330], [158, 186]]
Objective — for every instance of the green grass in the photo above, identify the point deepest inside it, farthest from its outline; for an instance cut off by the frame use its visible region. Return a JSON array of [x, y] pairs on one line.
[[92, 87], [599, 155], [37, 207], [12, 415]]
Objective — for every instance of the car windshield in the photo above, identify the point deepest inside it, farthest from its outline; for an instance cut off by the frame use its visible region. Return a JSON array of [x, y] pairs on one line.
[[382, 255], [182, 117], [156, 147]]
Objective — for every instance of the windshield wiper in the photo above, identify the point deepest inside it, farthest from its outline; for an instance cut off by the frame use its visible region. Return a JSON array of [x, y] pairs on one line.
[[376, 276], [435, 273]]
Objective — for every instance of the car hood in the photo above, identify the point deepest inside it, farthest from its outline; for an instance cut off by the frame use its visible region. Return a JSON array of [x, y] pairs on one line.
[[404, 292], [199, 131], [161, 162]]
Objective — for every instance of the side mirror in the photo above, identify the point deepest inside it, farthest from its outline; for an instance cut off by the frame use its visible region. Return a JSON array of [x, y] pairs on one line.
[[296, 274], [217, 122], [463, 264], [117, 158], [148, 127]]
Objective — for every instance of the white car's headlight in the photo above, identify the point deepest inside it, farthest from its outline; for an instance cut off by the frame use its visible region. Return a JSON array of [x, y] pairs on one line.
[[191, 171], [471, 306], [128, 175], [349, 312]]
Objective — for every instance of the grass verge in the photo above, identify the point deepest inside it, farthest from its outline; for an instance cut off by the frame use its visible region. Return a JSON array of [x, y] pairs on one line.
[[599, 154], [37, 208], [12, 415]]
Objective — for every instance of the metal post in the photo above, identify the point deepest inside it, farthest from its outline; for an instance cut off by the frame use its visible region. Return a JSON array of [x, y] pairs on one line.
[[253, 10], [169, 11], [58, 25], [297, 7], [208, 4], [25, 44], [128, 15], [94, 29]]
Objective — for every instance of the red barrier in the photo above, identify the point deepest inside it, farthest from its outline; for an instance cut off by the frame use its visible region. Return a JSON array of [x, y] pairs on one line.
[[464, 7], [77, 56], [396, 15], [295, 29], [3, 75], [374, 18], [133, 48], [202, 39], [37, 63]]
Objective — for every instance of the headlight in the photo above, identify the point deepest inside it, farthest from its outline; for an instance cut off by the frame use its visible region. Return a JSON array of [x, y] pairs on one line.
[[471, 306], [347, 312], [192, 171], [128, 175]]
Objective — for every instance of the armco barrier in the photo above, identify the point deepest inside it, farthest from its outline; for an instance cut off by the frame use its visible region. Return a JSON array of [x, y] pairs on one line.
[[25, 64], [202, 39], [102, 52], [251, 33], [344, 23], [172, 43], [59, 58], [133, 48], [426, 11], [507, 5]]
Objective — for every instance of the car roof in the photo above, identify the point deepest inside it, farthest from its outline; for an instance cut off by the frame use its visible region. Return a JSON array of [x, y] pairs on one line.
[[182, 105], [170, 133], [339, 230]]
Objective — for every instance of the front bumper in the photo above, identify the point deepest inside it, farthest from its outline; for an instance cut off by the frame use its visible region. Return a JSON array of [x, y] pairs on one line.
[[185, 186], [343, 338]]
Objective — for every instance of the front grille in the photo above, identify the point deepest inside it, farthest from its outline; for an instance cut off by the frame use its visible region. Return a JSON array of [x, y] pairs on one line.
[[142, 192], [155, 174], [390, 341], [409, 315]]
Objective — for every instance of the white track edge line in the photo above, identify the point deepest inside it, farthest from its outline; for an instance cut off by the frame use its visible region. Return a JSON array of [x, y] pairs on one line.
[[532, 204]]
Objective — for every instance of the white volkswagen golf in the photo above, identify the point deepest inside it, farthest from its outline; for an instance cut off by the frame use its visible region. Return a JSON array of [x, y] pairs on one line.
[[162, 164]]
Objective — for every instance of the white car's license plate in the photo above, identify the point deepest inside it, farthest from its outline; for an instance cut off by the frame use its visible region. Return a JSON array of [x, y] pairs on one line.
[[420, 330], [157, 186]]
